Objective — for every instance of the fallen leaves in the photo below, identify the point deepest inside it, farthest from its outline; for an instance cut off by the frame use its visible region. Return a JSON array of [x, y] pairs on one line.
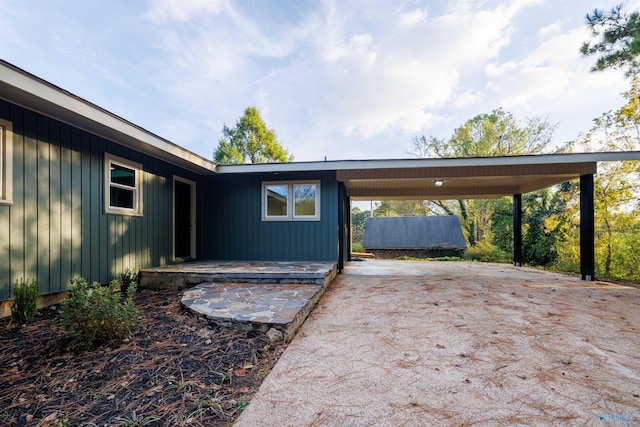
[[152, 372]]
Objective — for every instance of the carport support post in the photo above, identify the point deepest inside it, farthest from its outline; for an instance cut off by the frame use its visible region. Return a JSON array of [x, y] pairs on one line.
[[587, 240], [517, 230], [342, 200]]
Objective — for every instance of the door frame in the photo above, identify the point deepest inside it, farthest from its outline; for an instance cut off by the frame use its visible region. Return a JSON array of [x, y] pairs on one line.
[[192, 197]]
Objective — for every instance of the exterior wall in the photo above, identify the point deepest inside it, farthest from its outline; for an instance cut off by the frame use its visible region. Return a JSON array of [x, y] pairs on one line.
[[56, 227], [233, 228]]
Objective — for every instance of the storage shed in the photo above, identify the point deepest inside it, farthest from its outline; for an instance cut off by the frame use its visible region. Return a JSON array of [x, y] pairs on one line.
[[416, 236]]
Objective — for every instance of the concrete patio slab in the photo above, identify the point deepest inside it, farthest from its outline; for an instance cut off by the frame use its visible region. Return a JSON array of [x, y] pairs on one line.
[[439, 344], [192, 273]]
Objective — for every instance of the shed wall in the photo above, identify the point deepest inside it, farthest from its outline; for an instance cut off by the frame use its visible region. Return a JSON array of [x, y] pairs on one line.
[[234, 229], [56, 227]]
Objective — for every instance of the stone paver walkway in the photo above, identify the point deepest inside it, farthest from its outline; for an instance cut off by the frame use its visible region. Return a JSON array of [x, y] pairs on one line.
[[247, 295]]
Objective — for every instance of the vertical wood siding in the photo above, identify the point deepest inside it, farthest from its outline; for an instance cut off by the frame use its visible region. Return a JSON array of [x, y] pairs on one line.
[[56, 228], [234, 229]]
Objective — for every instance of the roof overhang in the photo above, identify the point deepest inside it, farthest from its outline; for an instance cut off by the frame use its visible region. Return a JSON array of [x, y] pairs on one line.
[[462, 178], [458, 182], [24, 89]]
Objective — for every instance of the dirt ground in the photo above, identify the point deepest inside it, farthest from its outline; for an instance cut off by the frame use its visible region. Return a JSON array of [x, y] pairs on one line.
[[459, 344], [177, 370]]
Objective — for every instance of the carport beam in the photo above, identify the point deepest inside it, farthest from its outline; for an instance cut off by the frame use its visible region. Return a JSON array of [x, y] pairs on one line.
[[587, 240], [517, 230]]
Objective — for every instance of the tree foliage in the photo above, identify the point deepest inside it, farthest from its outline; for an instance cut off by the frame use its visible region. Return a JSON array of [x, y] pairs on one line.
[[497, 133], [617, 195], [618, 39], [487, 135], [358, 222], [250, 141], [539, 235]]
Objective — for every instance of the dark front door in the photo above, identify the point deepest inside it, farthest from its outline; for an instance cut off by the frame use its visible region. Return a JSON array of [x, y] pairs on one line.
[[182, 220]]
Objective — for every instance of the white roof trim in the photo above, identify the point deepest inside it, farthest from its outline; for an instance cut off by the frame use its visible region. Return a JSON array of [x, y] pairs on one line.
[[425, 163], [55, 96]]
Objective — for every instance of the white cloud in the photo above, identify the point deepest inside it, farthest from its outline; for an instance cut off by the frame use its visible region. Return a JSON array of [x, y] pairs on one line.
[[183, 10], [553, 80], [411, 18], [341, 69], [344, 72], [553, 71], [496, 69], [468, 98], [392, 82], [359, 47], [553, 28]]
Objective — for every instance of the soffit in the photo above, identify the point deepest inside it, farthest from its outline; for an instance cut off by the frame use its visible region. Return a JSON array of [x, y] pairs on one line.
[[459, 182]]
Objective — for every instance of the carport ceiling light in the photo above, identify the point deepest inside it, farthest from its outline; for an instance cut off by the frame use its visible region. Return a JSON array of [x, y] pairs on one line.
[[438, 183]]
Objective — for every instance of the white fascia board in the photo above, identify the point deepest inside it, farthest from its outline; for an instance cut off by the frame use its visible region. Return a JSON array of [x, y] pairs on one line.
[[54, 95], [425, 163]]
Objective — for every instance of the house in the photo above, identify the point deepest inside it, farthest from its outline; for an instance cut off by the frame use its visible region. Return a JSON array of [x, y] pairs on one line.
[[415, 236], [84, 192]]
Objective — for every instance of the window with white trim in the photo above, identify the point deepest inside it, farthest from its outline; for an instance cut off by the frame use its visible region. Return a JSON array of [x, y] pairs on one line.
[[6, 162], [123, 186], [291, 201]]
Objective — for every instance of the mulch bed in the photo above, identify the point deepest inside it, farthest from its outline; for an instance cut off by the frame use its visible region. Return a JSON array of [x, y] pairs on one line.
[[177, 370]]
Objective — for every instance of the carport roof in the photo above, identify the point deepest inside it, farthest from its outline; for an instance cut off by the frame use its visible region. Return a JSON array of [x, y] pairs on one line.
[[461, 178]]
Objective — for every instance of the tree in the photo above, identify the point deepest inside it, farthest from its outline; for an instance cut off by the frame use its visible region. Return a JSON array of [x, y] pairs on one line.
[[617, 195], [358, 222], [541, 234], [406, 208], [502, 225], [486, 135], [494, 134], [250, 141], [617, 188], [618, 41]]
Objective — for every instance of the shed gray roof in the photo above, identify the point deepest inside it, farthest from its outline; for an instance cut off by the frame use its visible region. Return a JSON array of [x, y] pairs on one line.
[[414, 232]]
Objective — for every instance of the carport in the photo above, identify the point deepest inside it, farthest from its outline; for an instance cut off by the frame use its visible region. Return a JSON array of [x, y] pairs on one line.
[[483, 178]]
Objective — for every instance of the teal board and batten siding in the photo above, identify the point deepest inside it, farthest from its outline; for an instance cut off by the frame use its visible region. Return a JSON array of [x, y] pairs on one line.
[[56, 227], [234, 229]]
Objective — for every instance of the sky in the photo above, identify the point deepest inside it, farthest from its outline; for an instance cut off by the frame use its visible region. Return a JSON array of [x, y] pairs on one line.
[[334, 79]]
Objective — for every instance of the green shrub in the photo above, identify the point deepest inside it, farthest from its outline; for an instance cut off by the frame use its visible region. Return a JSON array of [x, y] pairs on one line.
[[485, 252], [127, 279], [357, 247], [98, 314], [25, 303]]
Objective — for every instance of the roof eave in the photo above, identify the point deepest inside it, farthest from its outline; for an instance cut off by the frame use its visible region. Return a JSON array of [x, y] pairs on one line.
[[22, 88], [424, 163]]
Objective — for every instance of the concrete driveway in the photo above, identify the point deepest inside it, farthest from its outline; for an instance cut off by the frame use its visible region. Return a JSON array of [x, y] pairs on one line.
[[433, 343]]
